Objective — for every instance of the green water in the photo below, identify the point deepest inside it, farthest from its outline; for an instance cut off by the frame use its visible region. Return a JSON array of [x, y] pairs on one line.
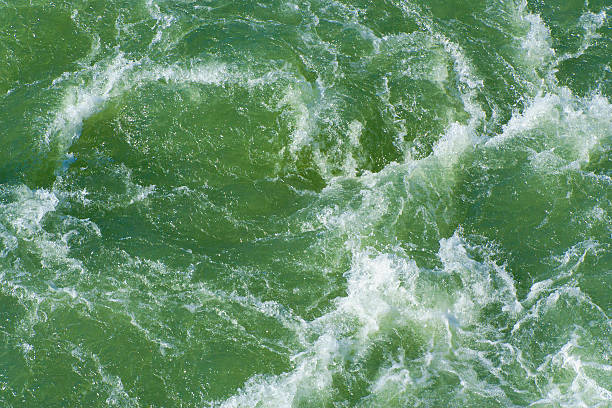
[[305, 204]]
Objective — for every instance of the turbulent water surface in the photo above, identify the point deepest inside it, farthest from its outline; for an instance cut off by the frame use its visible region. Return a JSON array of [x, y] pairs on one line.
[[316, 203]]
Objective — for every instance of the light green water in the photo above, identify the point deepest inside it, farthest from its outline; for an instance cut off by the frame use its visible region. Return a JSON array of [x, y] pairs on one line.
[[305, 204]]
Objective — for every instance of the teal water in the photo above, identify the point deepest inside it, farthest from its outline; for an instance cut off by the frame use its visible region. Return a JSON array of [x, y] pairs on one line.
[[305, 204]]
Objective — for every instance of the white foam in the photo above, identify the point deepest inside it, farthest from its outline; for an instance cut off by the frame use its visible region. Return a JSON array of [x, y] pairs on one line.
[[564, 120], [483, 283], [455, 141], [163, 21], [99, 84], [300, 101], [27, 212], [311, 379], [375, 294], [109, 384], [536, 43], [590, 22], [382, 291], [80, 102], [207, 74], [583, 391], [381, 298], [23, 220], [469, 83]]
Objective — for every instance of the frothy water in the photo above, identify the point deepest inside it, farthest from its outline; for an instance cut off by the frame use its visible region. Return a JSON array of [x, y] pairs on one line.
[[307, 204]]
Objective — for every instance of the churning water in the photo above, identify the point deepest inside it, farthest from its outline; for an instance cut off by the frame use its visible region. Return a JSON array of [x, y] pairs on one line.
[[320, 203]]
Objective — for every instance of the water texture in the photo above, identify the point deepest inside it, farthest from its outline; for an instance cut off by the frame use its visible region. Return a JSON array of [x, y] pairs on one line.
[[316, 203]]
